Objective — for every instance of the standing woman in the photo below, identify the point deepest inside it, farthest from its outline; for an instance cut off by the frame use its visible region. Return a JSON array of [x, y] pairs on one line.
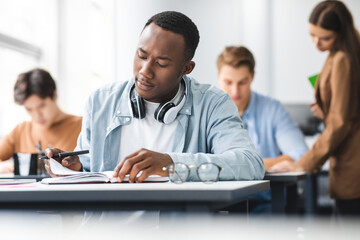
[[337, 96]]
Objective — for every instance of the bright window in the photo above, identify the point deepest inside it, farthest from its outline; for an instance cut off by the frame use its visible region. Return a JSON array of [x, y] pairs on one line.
[[27, 40]]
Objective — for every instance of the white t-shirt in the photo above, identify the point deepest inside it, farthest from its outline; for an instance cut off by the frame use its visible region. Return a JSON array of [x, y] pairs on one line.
[[148, 132]]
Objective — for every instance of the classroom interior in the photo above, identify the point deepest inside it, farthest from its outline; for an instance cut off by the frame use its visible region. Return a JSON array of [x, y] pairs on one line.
[[86, 44]]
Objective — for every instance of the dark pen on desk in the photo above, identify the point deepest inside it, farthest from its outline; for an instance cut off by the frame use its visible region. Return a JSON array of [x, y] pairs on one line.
[[67, 154]]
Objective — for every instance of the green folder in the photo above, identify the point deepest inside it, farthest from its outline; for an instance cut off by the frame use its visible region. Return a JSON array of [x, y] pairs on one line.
[[313, 79]]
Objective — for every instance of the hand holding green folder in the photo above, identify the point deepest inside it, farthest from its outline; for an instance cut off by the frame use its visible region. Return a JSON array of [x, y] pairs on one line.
[[313, 79]]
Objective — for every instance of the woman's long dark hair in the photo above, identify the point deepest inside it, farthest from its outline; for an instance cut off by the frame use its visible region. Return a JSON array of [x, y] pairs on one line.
[[335, 16]]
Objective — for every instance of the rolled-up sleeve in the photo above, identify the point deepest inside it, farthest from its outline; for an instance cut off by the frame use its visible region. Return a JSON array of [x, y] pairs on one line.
[[228, 144]]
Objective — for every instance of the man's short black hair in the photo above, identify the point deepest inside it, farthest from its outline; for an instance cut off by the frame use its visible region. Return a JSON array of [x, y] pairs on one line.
[[34, 82], [181, 24]]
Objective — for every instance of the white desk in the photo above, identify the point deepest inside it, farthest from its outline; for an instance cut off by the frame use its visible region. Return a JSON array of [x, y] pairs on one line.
[[192, 196], [12, 176]]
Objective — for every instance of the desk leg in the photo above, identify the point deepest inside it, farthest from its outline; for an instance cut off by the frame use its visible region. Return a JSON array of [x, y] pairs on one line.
[[278, 197], [291, 199], [310, 194]]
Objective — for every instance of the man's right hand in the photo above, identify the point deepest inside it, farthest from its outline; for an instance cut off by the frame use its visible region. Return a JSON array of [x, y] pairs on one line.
[[71, 162]]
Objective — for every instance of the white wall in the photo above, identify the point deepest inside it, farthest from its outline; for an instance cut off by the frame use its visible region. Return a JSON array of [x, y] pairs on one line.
[[88, 43], [276, 31], [294, 56], [86, 50], [256, 18], [218, 22], [32, 22]]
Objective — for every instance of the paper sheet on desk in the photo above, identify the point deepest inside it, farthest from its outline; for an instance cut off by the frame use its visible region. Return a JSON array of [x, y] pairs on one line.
[[59, 169]]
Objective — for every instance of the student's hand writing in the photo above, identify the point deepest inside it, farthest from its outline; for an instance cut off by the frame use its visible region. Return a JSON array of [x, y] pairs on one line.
[[71, 162], [286, 166], [149, 162], [316, 110]]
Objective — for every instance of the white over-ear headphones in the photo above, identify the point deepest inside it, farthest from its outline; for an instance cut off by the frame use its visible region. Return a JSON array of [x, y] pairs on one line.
[[165, 113]]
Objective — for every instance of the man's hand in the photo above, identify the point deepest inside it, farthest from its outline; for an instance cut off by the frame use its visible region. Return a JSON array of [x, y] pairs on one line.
[[286, 166], [71, 162], [269, 162], [144, 160], [316, 110]]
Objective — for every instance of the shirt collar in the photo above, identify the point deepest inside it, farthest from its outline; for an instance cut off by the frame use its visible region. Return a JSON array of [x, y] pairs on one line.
[[187, 108], [124, 106], [251, 107]]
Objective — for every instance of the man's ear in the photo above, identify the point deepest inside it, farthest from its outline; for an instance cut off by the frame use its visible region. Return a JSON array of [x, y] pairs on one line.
[[252, 76], [189, 67], [55, 96]]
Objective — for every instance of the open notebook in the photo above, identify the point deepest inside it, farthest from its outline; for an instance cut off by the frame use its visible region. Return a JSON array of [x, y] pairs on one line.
[[71, 176]]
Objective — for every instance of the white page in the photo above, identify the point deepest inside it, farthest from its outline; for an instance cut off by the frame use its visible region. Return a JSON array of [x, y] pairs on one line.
[[59, 169]]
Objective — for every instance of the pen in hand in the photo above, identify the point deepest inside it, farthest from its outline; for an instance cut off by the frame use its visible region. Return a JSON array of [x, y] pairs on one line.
[[66, 154]]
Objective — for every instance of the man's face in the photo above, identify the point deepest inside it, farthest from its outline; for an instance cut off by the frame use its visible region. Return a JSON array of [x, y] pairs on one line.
[[159, 63], [42, 111], [236, 82]]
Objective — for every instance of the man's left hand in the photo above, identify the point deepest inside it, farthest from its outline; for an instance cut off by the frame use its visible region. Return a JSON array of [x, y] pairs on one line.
[[149, 162], [286, 166]]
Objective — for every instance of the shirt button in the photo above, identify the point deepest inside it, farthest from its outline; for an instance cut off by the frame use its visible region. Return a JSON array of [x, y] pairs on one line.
[[187, 110], [117, 112], [127, 119], [108, 129]]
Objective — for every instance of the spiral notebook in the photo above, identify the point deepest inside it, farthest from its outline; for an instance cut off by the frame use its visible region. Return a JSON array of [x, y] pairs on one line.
[[72, 177]]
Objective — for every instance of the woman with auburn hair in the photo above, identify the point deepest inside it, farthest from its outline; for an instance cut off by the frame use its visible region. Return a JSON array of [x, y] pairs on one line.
[[337, 94]]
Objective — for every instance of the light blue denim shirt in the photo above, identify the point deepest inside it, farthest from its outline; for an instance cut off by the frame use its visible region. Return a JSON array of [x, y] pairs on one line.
[[272, 131], [209, 130], [271, 128]]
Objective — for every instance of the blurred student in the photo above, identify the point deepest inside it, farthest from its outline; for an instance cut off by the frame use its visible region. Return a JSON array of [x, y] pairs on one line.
[[49, 125], [270, 127], [275, 136], [337, 94]]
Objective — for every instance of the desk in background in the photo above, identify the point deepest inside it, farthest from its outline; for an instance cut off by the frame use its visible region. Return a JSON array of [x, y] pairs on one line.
[[190, 196], [281, 182], [12, 176]]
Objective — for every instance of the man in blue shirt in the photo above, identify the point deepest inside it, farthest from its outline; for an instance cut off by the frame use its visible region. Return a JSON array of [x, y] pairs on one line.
[[269, 125], [161, 116]]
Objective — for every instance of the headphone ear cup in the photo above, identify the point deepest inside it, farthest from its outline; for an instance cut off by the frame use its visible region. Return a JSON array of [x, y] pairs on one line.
[[161, 111], [134, 109], [137, 105], [141, 107]]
